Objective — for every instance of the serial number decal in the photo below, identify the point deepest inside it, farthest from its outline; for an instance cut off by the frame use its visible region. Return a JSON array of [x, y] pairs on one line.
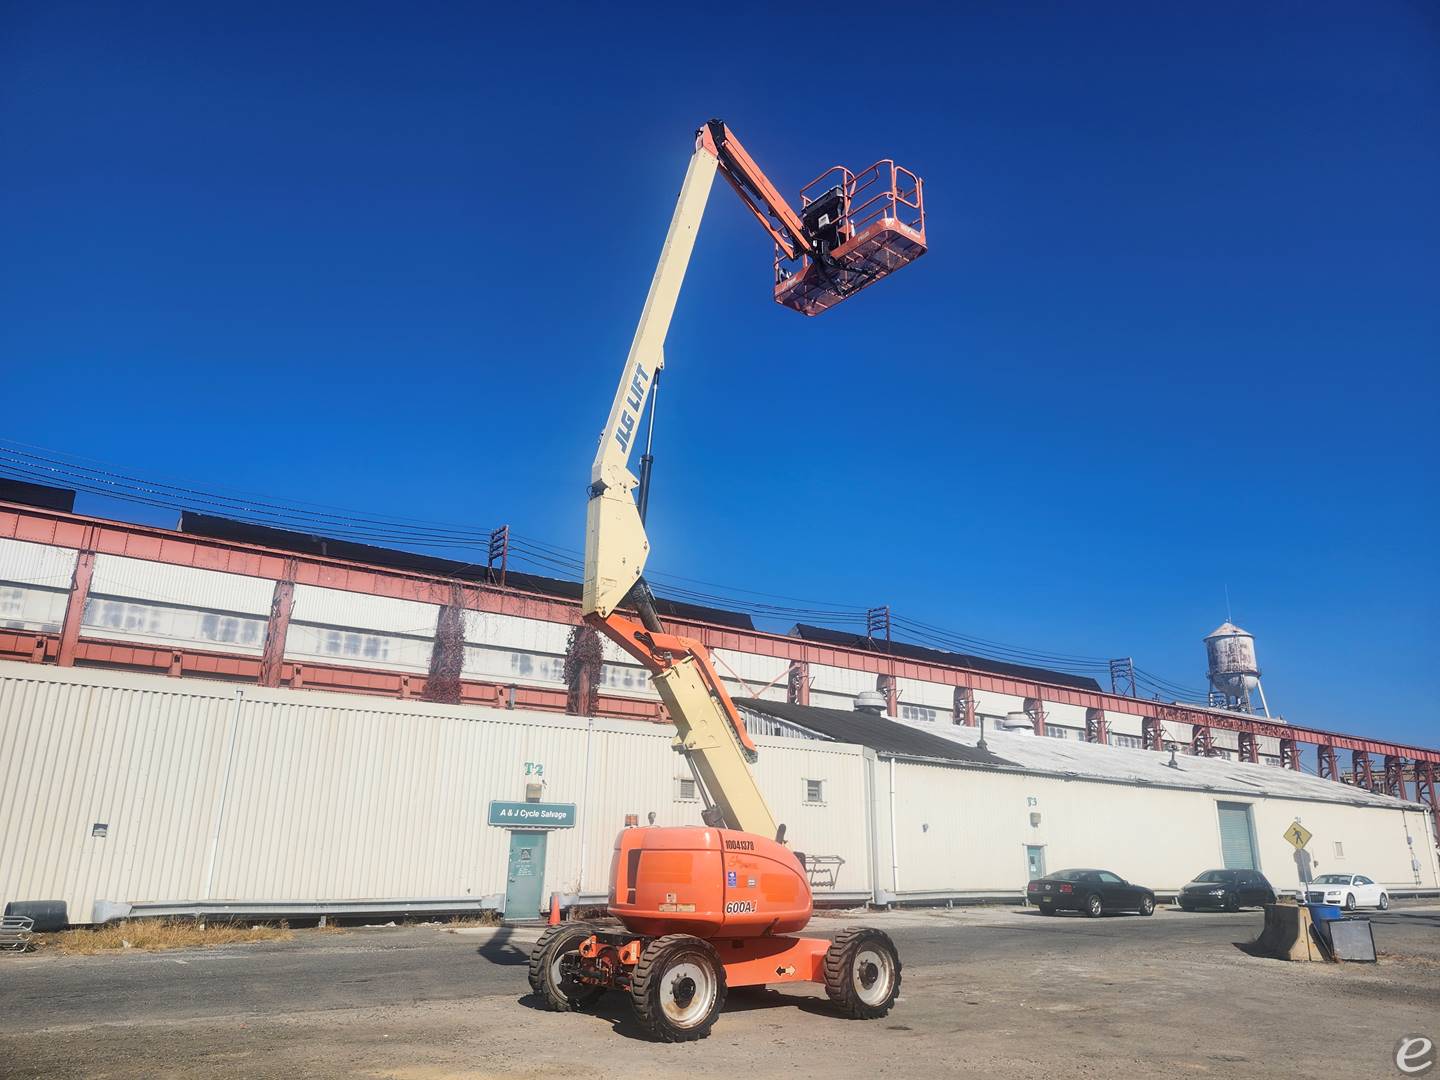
[[739, 907], [739, 845]]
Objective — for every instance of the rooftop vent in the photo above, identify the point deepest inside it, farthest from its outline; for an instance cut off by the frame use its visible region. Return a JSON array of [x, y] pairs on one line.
[[870, 701]]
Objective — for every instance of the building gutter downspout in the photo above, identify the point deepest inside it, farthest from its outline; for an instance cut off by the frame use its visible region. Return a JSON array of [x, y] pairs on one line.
[[894, 852]]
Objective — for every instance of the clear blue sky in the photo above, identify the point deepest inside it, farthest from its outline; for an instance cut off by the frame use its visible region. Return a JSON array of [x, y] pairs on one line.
[[1178, 328]]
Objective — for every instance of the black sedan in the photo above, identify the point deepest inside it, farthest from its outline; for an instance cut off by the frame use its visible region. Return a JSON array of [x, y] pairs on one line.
[[1093, 892], [1229, 890]]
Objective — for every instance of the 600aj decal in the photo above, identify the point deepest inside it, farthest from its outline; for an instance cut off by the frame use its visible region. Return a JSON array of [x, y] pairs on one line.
[[739, 907]]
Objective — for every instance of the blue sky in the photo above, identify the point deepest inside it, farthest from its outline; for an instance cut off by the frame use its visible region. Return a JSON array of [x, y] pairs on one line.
[[1177, 331]]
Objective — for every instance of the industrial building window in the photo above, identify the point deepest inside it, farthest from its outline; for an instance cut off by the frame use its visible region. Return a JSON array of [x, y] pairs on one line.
[[815, 791], [1339, 850], [685, 789], [917, 712], [1129, 742], [1056, 732]]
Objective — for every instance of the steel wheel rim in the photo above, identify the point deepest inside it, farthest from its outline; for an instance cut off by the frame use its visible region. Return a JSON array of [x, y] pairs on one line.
[[687, 993], [1095, 905], [873, 975], [1147, 905], [558, 978]]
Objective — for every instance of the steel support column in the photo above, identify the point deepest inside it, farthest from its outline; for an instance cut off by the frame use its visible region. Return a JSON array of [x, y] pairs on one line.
[[1425, 793], [1035, 710], [1096, 730], [1249, 748], [75, 608], [1360, 769], [277, 629], [1328, 766], [1395, 776], [797, 689], [886, 685], [1200, 744], [1152, 734], [963, 703], [1290, 754]]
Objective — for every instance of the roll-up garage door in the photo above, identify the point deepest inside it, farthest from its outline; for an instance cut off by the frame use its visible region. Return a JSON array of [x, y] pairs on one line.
[[1237, 837]]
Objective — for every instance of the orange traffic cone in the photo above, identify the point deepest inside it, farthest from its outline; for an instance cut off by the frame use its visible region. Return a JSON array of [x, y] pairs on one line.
[[554, 909]]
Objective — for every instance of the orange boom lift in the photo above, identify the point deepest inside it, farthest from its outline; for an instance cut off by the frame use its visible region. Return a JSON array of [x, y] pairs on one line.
[[714, 906]]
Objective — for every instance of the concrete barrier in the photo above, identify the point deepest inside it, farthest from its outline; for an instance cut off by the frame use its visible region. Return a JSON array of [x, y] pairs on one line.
[[1286, 935]]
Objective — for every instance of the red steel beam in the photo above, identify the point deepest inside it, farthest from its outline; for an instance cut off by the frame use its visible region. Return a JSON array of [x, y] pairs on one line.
[[1328, 767], [963, 706], [1360, 767], [277, 630], [798, 687], [1200, 743], [159, 545], [75, 608], [1096, 730], [1395, 776], [1035, 710], [1249, 748]]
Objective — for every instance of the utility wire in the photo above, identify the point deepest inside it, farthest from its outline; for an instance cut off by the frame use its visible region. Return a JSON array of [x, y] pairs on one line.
[[39, 465]]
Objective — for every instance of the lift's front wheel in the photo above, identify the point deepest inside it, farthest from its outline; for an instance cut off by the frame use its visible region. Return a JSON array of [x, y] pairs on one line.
[[862, 973], [554, 964], [678, 988]]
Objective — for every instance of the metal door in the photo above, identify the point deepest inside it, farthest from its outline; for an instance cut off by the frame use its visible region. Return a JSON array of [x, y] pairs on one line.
[[1237, 837], [525, 877], [1035, 856]]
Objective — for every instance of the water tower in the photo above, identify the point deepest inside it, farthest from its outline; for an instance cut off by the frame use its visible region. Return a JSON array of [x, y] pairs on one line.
[[1233, 671]]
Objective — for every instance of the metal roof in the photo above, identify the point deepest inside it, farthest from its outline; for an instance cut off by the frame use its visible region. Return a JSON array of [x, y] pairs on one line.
[[865, 729], [940, 656]]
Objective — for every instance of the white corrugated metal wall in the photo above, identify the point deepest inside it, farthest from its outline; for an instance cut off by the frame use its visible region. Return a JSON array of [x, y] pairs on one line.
[[965, 831], [211, 793]]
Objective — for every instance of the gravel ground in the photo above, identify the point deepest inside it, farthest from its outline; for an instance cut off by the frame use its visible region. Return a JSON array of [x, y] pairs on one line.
[[992, 992]]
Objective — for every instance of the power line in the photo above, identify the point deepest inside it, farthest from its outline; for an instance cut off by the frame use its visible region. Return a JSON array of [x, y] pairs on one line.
[[37, 464]]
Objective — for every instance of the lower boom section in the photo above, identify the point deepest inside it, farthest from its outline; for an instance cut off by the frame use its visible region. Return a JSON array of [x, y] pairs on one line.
[[677, 983]]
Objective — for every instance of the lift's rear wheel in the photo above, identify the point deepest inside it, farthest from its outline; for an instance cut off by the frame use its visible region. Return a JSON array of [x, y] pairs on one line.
[[862, 972], [554, 952], [678, 988]]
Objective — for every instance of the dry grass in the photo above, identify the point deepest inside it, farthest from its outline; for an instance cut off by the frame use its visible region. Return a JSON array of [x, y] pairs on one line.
[[155, 934], [469, 922]]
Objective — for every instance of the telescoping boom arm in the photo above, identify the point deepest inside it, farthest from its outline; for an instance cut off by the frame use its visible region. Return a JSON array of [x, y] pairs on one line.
[[711, 732]]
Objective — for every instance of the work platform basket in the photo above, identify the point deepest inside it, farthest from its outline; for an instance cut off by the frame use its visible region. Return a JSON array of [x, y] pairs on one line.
[[866, 225]]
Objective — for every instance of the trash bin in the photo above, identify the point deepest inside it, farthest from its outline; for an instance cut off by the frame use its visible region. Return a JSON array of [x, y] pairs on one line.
[[1324, 912]]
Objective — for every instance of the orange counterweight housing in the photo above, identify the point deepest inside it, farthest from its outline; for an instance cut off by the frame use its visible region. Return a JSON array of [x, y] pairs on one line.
[[713, 883]]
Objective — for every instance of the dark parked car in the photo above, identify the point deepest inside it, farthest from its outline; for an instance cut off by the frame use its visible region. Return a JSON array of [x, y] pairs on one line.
[[1093, 892], [1227, 889]]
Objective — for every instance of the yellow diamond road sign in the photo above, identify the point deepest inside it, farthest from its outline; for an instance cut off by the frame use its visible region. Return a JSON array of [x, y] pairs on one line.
[[1298, 835]]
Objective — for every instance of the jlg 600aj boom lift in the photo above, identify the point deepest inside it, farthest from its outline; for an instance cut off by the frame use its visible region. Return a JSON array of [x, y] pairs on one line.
[[709, 907]]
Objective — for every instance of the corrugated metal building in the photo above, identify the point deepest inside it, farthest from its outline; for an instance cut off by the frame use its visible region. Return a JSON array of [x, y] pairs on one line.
[[125, 792]]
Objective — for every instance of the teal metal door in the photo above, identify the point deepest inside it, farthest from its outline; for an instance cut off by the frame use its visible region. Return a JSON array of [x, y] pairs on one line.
[[1036, 858], [526, 875]]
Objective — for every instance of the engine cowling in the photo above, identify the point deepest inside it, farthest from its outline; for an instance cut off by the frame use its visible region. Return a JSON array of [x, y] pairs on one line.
[[708, 882]]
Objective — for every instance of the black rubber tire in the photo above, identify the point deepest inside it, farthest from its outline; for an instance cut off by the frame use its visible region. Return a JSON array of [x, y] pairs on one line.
[[559, 994], [647, 985], [1350, 901], [1187, 907], [1147, 905], [840, 962], [537, 954], [1232, 902], [1094, 906], [1047, 909], [1384, 901]]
